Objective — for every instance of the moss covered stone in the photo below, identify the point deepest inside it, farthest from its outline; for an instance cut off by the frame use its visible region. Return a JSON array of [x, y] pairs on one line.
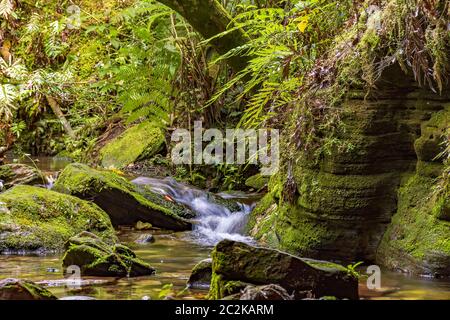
[[18, 289], [94, 257], [418, 239], [235, 264], [121, 199], [38, 220], [257, 181], [137, 143], [200, 277], [15, 174]]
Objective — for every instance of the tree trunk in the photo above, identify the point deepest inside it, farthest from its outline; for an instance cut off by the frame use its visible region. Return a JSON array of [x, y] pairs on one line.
[[210, 18], [60, 115]]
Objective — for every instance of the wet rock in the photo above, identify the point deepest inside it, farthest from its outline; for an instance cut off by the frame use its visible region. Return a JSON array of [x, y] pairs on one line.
[[96, 258], [121, 199], [38, 220], [417, 240], [238, 262], [182, 195], [267, 292], [145, 238], [19, 174], [136, 143], [200, 277], [257, 181], [143, 226], [17, 289]]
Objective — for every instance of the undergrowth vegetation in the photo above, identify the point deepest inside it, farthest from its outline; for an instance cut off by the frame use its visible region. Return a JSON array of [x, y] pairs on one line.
[[70, 70]]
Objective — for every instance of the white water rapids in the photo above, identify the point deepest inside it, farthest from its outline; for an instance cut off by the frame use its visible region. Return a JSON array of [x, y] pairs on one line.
[[214, 222]]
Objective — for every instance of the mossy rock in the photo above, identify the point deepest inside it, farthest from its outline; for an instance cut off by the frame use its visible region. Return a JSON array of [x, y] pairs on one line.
[[94, 257], [418, 239], [120, 198], [34, 219], [200, 277], [137, 143], [18, 289], [242, 263], [257, 181], [17, 174], [431, 143]]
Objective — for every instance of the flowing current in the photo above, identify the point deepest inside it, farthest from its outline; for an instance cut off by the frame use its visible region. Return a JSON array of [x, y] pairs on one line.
[[214, 221]]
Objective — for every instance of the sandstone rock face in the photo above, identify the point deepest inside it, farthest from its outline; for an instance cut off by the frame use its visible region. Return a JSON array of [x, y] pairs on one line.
[[38, 220], [344, 204], [96, 258], [236, 265], [123, 201], [17, 174], [17, 289]]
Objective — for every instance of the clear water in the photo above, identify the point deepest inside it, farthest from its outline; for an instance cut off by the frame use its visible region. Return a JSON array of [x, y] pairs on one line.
[[174, 255], [214, 222]]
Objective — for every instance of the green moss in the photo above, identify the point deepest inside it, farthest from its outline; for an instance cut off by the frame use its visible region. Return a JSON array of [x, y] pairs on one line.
[[38, 219], [221, 288], [137, 143], [17, 289], [97, 258], [6, 172], [81, 180], [125, 202], [417, 239], [257, 181]]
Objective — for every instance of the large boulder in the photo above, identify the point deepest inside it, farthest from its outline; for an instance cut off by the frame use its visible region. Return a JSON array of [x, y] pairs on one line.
[[200, 277], [15, 174], [17, 289], [39, 220], [122, 200], [137, 143], [235, 264], [94, 257]]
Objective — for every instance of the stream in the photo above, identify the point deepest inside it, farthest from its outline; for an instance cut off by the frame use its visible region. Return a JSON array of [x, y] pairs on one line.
[[173, 254]]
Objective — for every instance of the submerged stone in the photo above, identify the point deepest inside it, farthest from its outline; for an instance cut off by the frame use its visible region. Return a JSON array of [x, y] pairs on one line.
[[123, 201], [139, 142], [18, 289], [34, 219], [235, 264], [145, 238], [96, 258]]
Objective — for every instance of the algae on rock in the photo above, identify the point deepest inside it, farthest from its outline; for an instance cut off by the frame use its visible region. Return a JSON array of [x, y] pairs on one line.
[[235, 265], [97, 258], [139, 142], [34, 219], [122, 200]]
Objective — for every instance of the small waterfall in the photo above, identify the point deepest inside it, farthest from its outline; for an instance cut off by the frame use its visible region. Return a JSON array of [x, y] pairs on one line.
[[215, 221], [50, 180]]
